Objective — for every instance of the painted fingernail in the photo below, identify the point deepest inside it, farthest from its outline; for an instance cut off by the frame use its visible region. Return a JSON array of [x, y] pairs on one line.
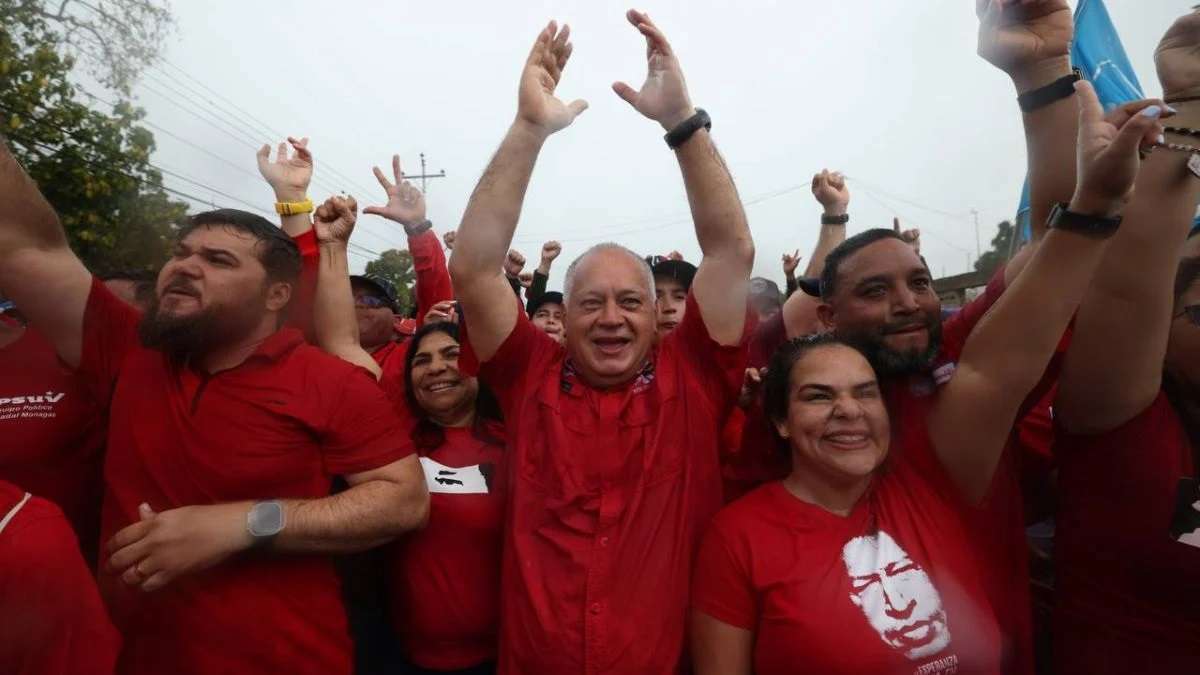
[[1171, 110], [1151, 111]]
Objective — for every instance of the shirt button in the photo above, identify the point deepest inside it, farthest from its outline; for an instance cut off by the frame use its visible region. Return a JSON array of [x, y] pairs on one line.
[[596, 608], [603, 541]]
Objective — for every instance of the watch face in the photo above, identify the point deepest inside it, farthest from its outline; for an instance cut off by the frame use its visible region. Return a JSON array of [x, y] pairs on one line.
[[266, 519]]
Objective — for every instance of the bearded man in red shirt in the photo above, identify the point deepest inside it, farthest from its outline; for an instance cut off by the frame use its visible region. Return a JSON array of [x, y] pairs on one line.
[[613, 438]]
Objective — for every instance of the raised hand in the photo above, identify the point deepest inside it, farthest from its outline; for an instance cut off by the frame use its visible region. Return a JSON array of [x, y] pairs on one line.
[[550, 251], [1020, 34], [1107, 155], [443, 311], [290, 174], [405, 204], [790, 262], [334, 220], [1178, 57], [675, 255], [664, 96], [536, 104], [829, 188], [751, 385], [912, 237], [448, 239], [514, 263], [526, 279]]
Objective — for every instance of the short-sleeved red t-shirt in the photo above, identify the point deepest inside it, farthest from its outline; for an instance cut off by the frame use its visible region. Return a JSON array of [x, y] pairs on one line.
[[51, 433], [280, 425], [610, 491], [52, 621], [891, 588], [445, 578], [1128, 592]]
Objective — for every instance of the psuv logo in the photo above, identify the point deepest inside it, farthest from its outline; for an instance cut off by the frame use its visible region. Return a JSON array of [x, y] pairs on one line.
[[34, 406], [48, 397]]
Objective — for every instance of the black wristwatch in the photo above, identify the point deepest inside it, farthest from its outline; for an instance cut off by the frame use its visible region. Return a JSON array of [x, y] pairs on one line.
[[1095, 226], [681, 133], [1055, 91], [420, 228], [835, 220]]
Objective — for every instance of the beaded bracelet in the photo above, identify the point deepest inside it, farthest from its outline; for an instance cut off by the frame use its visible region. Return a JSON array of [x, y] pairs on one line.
[[1182, 131], [1193, 164]]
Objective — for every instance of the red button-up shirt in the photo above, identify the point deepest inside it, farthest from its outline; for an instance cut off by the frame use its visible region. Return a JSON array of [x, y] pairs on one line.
[[610, 492], [280, 425]]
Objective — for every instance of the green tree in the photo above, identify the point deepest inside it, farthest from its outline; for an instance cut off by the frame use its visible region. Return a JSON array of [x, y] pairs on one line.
[[998, 254], [396, 266], [93, 168]]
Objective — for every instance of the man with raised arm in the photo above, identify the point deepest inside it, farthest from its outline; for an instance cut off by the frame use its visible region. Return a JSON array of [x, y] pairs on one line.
[[613, 437], [225, 432]]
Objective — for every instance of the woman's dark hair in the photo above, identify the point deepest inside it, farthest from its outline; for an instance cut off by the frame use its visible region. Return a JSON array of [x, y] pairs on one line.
[[777, 382], [427, 435]]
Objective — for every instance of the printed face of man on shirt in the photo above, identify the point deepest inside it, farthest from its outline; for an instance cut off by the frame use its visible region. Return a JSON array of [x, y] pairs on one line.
[[885, 304], [896, 595], [610, 317]]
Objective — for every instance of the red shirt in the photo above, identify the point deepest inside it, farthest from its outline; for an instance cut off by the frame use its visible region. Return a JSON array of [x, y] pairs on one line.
[[51, 433], [445, 578], [52, 621], [390, 358], [1128, 592], [891, 588], [280, 425], [610, 491]]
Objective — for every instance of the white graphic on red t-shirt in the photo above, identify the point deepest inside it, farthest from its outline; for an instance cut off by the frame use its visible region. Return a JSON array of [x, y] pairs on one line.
[[896, 595], [29, 406]]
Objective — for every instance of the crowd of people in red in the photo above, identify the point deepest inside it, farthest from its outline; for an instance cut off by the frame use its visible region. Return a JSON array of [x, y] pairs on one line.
[[251, 464]]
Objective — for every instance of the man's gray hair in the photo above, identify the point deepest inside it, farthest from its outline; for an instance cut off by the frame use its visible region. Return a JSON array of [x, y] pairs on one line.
[[643, 267]]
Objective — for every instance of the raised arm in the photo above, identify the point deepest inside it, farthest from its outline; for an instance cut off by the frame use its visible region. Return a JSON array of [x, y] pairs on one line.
[[723, 277], [1113, 369], [492, 213], [541, 275], [830, 191], [38, 270], [406, 206], [289, 177], [1030, 40], [334, 322], [1009, 349]]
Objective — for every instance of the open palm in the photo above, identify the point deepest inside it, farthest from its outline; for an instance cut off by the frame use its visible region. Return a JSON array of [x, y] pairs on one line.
[[289, 173], [536, 102], [405, 204], [663, 96]]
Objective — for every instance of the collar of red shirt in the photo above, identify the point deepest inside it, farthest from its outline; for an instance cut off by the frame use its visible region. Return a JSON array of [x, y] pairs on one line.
[[277, 345]]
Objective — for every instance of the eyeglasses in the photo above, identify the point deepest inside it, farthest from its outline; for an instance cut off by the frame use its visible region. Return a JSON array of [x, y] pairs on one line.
[[1193, 314], [370, 302]]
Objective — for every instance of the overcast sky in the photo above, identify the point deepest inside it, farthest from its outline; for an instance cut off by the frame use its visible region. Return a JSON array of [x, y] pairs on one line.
[[891, 93]]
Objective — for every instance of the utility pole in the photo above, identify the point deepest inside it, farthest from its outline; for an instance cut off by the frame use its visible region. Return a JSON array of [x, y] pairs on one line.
[[977, 251], [424, 175]]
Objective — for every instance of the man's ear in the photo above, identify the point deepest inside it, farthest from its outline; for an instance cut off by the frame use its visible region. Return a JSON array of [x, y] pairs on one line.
[[279, 293], [825, 315]]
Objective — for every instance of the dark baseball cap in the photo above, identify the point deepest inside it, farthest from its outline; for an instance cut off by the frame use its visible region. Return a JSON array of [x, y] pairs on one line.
[[547, 298], [666, 268], [810, 286], [381, 287]]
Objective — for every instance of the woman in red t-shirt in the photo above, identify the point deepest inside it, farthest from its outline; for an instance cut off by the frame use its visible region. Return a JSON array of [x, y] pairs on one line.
[[858, 562], [445, 578]]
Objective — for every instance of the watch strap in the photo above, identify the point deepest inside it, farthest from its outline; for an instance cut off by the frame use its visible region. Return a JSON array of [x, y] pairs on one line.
[[1055, 91], [1097, 226], [293, 208], [835, 220], [687, 128]]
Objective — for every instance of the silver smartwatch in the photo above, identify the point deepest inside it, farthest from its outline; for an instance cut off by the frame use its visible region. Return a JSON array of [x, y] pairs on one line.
[[264, 521]]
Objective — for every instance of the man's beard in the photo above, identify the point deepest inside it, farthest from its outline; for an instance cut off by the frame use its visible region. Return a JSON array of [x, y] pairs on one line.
[[195, 335], [889, 362]]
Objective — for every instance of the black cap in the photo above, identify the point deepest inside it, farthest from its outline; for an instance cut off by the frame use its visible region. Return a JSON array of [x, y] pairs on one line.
[[810, 286], [547, 298], [679, 270], [382, 287]]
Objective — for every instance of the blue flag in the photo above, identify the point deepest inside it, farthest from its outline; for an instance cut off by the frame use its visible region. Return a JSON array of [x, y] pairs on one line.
[[1098, 53]]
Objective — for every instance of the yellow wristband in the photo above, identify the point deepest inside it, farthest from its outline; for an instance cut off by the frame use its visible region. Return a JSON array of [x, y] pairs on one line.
[[293, 208]]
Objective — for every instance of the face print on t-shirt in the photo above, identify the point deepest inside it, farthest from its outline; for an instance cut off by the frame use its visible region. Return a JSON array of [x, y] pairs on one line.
[[896, 595]]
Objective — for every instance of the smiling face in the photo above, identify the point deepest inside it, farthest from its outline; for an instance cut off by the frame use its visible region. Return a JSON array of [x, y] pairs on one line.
[[213, 291], [442, 392], [549, 318], [885, 305], [610, 317], [836, 424], [670, 302]]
